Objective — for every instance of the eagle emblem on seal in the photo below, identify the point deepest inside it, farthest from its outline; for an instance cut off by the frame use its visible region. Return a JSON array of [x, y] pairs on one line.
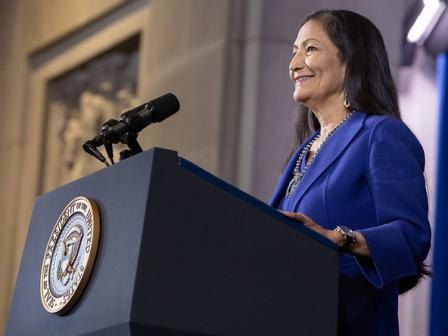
[[70, 251]]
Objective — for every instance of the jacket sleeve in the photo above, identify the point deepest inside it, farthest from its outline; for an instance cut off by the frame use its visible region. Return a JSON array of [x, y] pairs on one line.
[[401, 238]]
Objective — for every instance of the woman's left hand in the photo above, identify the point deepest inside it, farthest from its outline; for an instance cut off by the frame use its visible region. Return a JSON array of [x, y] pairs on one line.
[[335, 237]]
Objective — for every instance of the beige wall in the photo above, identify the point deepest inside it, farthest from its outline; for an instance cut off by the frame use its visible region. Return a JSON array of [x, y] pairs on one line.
[[190, 47], [194, 52], [46, 21]]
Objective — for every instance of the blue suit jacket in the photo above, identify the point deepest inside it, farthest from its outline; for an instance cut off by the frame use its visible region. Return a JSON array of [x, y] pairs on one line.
[[368, 176]]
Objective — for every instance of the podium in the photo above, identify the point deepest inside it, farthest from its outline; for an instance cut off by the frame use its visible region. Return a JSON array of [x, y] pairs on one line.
[[181, 252]]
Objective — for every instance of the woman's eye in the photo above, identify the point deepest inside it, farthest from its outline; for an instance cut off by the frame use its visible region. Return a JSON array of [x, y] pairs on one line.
[[310, 48]]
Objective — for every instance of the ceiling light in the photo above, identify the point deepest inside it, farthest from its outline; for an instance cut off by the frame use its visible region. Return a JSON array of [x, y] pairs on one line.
[[425, 22]]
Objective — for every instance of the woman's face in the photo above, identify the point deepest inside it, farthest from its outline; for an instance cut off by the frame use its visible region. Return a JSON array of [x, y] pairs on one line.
[[316, 69]]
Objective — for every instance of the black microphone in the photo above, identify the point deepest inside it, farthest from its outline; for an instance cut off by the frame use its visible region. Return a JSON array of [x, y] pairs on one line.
[[136, 119]]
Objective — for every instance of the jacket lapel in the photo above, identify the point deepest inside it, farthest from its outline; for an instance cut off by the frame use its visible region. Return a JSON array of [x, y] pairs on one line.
[[332, 149]]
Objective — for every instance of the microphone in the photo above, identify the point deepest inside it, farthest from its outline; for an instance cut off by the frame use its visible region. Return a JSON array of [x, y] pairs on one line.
[[126, 129], [136, 119]]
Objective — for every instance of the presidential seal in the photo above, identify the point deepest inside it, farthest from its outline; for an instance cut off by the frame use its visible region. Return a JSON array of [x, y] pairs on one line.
[[70, 255]]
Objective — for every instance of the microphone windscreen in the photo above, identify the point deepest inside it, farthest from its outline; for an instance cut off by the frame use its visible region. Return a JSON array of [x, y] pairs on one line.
[[163, 107]]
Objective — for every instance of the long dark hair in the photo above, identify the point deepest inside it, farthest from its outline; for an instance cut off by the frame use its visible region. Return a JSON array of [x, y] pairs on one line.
[[368, 83]]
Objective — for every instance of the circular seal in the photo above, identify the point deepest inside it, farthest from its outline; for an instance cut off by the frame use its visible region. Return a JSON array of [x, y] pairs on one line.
[[70, 255]]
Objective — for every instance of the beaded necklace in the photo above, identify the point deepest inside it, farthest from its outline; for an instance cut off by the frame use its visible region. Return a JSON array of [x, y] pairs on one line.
[[297, 172]]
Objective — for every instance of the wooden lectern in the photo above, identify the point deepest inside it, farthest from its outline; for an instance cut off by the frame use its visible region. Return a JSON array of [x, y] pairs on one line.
[[181, 252]]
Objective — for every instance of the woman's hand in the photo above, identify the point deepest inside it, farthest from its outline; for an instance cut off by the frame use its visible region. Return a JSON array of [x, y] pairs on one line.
[[359, 248], [335, 237]]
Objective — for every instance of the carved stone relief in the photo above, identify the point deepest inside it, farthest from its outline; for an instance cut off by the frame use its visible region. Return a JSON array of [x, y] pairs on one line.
[[78, 103]]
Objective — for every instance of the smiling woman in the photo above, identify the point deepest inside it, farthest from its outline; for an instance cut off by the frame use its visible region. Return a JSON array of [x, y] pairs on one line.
[[356, 173]]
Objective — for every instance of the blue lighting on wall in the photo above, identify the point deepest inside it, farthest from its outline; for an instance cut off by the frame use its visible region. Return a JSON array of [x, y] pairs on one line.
[[439, 293]]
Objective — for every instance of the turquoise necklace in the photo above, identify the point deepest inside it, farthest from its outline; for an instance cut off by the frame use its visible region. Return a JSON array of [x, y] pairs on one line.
[[297, 172]]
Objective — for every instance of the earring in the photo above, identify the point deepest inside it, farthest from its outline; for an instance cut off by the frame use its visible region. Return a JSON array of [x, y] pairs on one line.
[[346, 102]]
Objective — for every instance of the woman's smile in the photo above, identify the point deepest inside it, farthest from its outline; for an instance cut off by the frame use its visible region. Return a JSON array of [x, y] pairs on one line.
[[299, 80]]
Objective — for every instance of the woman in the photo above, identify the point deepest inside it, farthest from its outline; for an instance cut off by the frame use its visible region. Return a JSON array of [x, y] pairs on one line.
[[358, 179]]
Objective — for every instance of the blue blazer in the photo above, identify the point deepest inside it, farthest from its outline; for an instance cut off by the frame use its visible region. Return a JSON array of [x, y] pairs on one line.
[[368, 176]]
